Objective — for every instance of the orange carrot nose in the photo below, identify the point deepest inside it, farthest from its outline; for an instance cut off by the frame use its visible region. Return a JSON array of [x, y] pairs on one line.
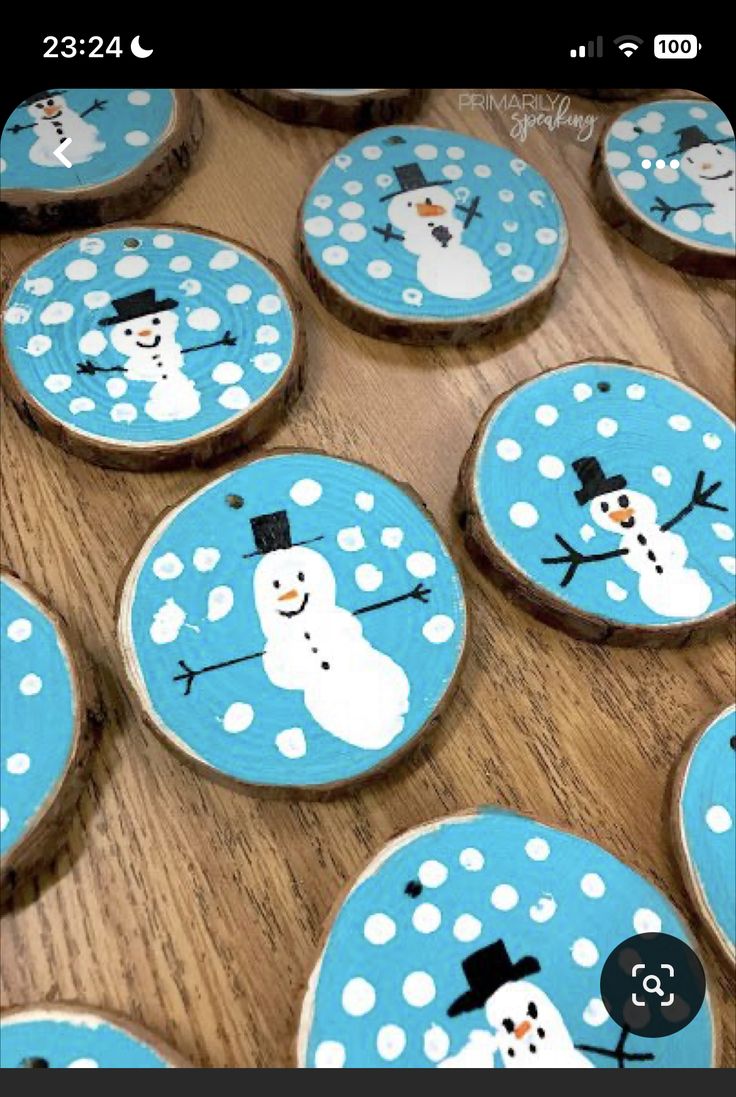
[[288, 596], [427, 209], [522, 1029], [145, 333], [50, 110], [622, 515], [706, 167]]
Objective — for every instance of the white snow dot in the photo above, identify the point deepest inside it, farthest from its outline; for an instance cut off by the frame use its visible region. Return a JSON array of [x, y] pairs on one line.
[[504, 897], [81, 404], [522, 273], [20, 630], [238, 717], [725, 127], [92, 245], [718, 819], [510, 226], [587, 532], [219, 603], [689, 220], [618, 159], [330, 1054], [728, 563], [506, 195], [234, 398], [167, 622], [679, 422], [537, 849], [646, 921], [636, 392], [581, 391], [351, 539], [546, 236], [390, 1042], [552, 468], [546, 415], [353, 187], [18, 764], [206, 559], [351, 211], [508, 449], [168, 566], [306, 492], [418, 989], [662, 475], [4, 819], [224, 259], [666, 173], [432, 874], [93, 343], [318, 226], [615, 592], [384, 180], [37, 345], [323, 201], [238, 294], [163, 240], [269, 304], [116, 387], [131, 266], [584, 952], [80, 270], [524, 515], [368, 577], [203, 319], [97, 299], [467, 928], [30, 685], [711, 441], [227, 373], [372, 152], [364, 500], [268, 362], [58, 382], [421, 564], [436, 1044], [358, 997], [606, 427], [504, 249], [595, 1013], [456, 153], [379, 268], [452, 171], [426, 918], [292, 743], [180, 263], [124, 413], [426, 152], [58, 312], [412, 296], [392, 537], [353, 232], [438, 629], [632, 180], [336, 255], [137, 138], [698, 112], [139, 98], [544, 909], [482, 171], [83, 1064], [722, 531], [39, 287], [472, 859], [592, 885], [379, 929], [647, 151]]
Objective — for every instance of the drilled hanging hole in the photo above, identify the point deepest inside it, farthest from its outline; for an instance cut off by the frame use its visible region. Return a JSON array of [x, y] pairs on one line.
[[603, 386], [235, 501], [131, 243], [413, 889], [35, 1063]]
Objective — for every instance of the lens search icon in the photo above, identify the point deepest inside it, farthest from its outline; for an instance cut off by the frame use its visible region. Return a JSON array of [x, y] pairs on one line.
[[652, 984]]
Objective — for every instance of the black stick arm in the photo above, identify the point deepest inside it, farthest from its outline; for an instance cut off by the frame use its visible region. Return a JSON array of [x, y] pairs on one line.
[[699, 498], [576, 559], [189, 675], [17, 128], [622, 1057], [99, 104], [419, 593], [388, 233], [470, 211], [227, 340], [663, 207], [91, 369]]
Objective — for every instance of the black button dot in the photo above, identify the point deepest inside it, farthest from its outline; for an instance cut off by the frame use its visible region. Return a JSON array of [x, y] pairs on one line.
[[641, 539], [307, 636], [659, 569], [651, 555], [325, 666], [315, 650]]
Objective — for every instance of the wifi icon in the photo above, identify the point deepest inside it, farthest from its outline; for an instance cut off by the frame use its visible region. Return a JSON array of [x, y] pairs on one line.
[[628, 43]]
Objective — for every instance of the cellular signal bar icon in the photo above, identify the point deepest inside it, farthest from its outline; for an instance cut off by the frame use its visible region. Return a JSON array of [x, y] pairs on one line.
[[593, 49]]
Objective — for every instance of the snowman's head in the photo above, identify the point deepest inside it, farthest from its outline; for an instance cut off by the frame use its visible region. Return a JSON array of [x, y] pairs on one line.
[[707, 162], [47, 107], [526, 1024], [421, 210], [289, 585], [622, 511], [139, 338]]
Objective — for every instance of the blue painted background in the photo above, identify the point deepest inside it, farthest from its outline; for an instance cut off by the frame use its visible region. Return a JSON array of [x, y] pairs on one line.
[[62, 1042]]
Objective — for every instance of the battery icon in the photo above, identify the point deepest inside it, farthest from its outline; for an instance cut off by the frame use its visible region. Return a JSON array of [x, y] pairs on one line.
[[676, 47]]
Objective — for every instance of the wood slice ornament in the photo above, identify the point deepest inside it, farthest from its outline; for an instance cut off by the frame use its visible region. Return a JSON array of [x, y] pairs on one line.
[[423, 236], [664, 176], [477, 941], [149, 346], [63, 1035], [705, 826], [336, 108], [295, 625], [48, 723], [126, 149], [602, 495]]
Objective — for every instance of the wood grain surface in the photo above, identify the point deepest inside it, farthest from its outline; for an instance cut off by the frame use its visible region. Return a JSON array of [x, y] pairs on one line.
[[197, 910]]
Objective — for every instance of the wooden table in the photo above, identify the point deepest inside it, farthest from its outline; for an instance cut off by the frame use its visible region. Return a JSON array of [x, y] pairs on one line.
[[196, 909]]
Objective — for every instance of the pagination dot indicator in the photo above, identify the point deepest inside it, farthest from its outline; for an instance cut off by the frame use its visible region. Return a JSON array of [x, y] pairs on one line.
[[647, 163]]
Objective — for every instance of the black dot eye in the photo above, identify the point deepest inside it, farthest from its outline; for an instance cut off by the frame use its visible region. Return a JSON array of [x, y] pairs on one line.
[[689, 159], [50, 102], [300, 576], [156, 320], [541, 1033], [276, 583], [718, 152], [532, 1011], [508, 1024], [533, 1049], [623, 500], [512, 1053], [128, 331], [604, 508]]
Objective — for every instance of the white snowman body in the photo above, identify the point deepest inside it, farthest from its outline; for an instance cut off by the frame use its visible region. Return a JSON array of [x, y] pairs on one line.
[[154, 355], [433, 232], [477, 1053], [713, 169], [352, 690], [529, 1029], [54, 122], [657, 556]]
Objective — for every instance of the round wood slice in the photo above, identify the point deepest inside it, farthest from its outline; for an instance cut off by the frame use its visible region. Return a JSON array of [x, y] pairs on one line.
[[663, 175], [704, 819], [128, 148], [49, 717], [295, 625], [425, 236], [336, 108], [602, 496], [459, 925], [62, 1034], [149, 346]]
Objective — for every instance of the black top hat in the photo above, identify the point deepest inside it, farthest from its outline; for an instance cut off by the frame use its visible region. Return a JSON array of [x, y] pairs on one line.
[[691, 137], [487, 970], [411, 177], [42, 95], [593, 480], [272, 532], [137, 304]]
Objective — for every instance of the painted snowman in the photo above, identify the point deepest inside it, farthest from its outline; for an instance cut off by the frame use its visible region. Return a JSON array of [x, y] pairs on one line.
[[144, 332], [351, 689], [425, 212], [648, 548], [54, 121], [711, 166]]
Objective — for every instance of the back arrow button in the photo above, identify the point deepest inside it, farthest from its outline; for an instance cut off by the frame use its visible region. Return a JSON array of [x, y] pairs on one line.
[[59, 153]]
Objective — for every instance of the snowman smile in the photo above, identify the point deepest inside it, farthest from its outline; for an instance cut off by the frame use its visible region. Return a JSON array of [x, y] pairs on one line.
[[714, 178], [294, 612], [52, 117], [149, 346]]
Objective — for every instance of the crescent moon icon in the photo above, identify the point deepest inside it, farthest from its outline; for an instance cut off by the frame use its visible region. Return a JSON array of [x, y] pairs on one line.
[[138, 49]]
